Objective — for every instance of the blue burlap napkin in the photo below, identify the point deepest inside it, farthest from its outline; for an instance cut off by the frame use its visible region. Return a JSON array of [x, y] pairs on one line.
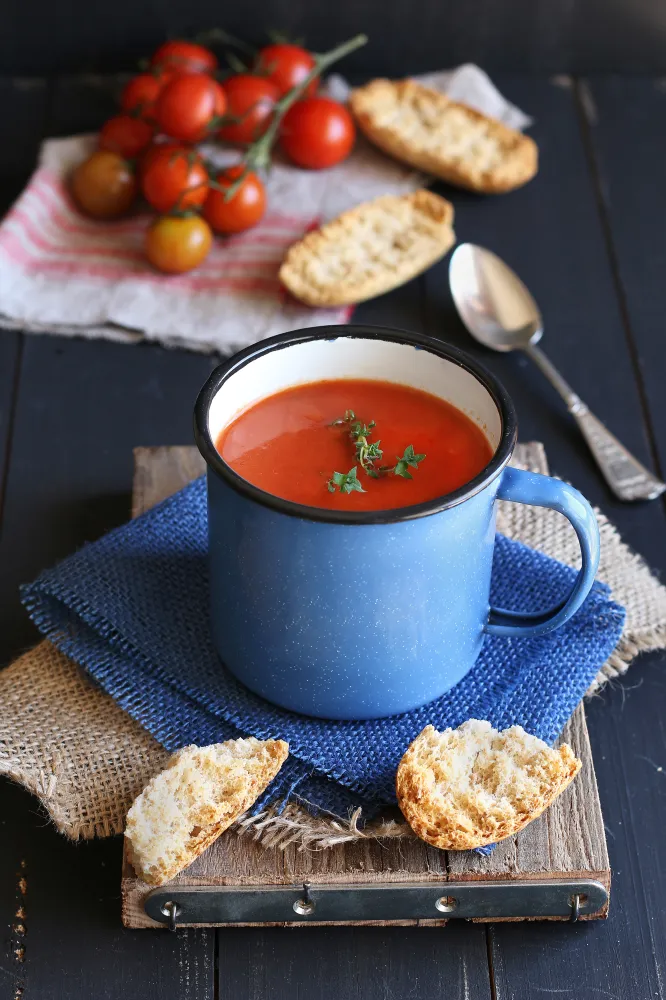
[[132, 609]]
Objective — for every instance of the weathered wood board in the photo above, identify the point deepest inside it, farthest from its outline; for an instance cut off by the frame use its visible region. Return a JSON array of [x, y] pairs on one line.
[[567, 842]]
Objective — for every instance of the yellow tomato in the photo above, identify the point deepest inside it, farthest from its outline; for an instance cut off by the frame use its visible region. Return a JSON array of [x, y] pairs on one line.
[[175, 245]]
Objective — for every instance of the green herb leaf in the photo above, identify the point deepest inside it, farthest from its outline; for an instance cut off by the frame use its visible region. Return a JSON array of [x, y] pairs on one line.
[[401, 469], [346, 482], [410, 458]]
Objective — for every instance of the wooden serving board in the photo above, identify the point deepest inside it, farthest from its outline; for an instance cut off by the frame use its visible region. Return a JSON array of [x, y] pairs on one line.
[[566, 843]]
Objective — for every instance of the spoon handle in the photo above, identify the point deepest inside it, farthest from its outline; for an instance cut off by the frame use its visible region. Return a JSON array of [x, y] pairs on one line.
[[626, 476]]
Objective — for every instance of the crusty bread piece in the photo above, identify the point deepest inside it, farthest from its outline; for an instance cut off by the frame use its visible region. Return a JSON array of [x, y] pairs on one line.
[[424, 128], [473, 785], [369, 249], [201, 792]]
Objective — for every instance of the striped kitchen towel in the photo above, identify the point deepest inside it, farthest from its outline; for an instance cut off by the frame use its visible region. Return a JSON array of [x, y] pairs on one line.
[[63, 273]]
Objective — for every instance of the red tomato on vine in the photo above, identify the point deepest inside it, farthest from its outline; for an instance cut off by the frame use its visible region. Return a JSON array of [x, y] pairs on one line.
[[179, 56], [286, 66], [250, 100], [174, 179], [126, 135], [141, 92], [317, 132], [149, 154], [243, 210], [188, 105]]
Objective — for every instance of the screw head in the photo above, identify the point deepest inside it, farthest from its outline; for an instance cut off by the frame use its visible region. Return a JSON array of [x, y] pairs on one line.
[[303, 907]]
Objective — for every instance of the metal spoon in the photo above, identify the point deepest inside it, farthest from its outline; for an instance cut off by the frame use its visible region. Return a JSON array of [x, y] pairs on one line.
[[499, 312]]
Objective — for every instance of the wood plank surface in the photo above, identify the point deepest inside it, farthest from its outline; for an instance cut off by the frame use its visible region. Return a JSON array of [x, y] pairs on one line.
[[539, 36], [72, 944], [623, 120], [25, 109], [81, 406], [10, 355], [24, 105], [354, 963], [622, 957], [83, 103]]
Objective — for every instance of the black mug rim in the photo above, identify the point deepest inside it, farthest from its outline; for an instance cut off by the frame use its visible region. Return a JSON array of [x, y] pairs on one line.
[[228, 368]]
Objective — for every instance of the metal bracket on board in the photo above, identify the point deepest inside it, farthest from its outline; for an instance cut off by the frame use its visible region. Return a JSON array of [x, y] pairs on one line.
[[567, 898]]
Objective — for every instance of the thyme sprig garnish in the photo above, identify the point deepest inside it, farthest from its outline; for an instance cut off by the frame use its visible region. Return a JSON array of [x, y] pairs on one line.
[[368, 454]]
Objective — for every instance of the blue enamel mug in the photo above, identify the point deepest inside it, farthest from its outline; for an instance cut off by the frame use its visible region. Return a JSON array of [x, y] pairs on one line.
[[359, 615]]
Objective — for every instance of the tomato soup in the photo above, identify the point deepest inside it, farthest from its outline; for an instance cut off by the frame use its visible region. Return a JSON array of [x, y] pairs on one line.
[[352, 444]]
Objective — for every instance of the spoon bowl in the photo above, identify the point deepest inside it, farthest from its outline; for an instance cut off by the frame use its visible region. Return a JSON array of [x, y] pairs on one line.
[[500, 313], [492, 301]]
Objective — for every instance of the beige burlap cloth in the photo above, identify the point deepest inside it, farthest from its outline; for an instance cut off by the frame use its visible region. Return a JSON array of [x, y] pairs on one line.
[[70, 745]]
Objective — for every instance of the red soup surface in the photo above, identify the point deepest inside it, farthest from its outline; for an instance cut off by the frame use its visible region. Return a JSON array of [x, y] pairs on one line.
[[289, 445]]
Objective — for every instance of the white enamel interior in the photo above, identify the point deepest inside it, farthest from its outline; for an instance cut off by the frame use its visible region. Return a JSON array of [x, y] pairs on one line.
[[352, 357]]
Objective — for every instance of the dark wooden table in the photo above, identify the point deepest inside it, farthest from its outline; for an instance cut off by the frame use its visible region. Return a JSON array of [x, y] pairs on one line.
[[589, 238]]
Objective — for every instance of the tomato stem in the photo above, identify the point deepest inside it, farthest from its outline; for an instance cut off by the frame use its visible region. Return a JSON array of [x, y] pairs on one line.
[[258, 155], [236, 64], [219, 35]]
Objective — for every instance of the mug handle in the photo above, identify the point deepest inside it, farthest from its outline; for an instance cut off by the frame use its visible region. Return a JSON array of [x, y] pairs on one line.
[[542, 491]]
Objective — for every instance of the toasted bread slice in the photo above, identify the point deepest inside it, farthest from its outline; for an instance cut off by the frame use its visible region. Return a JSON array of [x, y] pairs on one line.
[[201, 792], [424, 128], [369, 249], [473, 786]]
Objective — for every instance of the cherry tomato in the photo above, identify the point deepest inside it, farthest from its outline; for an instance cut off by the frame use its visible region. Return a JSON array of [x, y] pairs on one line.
[[250, 99], [184, 57], [174, 178], [243, 210], [149, 154], [286, 66], [187, 106], [141, 92], [125, 135], [175, 245], [317, 133], [103, 186]]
